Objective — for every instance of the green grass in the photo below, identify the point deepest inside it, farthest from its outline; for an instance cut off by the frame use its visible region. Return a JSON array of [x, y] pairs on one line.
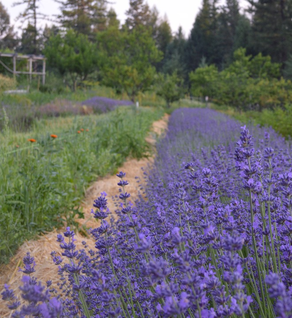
[[150, 98], [42, 182], [280, 119], [187, 103]]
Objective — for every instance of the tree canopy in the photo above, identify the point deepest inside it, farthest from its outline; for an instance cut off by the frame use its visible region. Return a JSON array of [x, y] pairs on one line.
[[72, 54], [126, 59]]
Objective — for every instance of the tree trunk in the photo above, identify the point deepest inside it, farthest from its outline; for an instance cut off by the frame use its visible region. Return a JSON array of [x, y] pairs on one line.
[[35, 27]]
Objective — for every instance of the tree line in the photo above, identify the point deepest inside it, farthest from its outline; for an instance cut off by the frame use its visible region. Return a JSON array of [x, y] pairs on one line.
[[87, 41]]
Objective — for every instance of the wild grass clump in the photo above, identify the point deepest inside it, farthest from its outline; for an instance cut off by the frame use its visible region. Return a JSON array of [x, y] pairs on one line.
[[43, 177], [212, 238]]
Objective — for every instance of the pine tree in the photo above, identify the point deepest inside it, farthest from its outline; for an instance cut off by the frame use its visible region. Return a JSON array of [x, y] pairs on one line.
[[227, 27], [243, 35], [83, 16], [164, 34], [7, 35], [288, 69], [271, 28], [31, 15], [112, 20], [100, 16], [174, 60], [138, 14], [163, 37], [202, 39], [26, 40]]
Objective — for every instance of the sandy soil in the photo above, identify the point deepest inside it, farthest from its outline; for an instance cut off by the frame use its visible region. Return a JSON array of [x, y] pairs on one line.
[[41, 248]]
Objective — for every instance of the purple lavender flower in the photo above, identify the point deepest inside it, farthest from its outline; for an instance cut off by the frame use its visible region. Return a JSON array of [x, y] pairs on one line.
[[121, 175], [158, 269], [69, 233], [104, 104], [51, 309], [8, 294], [215, 213], [144, 244], [122, 183], [101, 202], [124, 196], [29, 264]]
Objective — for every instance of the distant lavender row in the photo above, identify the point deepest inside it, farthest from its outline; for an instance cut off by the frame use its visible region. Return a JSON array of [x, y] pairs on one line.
[[21, 118], [211, 239], [104, 104], [93, 105]]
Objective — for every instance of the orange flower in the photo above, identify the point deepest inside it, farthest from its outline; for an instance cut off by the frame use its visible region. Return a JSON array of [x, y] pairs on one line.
[[32, 140], [87, 129], [81, 129], [54, 136], [78, 131], [16, 146]]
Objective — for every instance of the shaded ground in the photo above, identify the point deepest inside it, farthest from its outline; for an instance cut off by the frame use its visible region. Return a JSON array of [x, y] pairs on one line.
[[40, 249]]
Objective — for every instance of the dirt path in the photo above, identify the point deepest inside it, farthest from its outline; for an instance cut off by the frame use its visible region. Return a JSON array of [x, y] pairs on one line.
[[40, 249]]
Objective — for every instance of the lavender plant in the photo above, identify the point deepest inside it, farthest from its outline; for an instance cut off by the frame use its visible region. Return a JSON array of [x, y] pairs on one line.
[[210, 237], [104, 104]]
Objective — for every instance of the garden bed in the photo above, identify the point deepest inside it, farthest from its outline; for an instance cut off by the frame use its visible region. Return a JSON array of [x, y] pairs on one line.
[[209, 238]]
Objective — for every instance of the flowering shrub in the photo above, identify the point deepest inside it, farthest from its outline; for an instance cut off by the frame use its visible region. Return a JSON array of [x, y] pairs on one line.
[[213, 239]]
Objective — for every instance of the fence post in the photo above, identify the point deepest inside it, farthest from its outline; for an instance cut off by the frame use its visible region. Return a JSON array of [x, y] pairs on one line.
[[30, 68], [14, 66], [44, 71]]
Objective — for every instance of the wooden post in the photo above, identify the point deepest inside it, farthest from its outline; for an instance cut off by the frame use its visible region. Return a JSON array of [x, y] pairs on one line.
[[27, 68], [14, 66], [38, 83], [44, 71], [30, 68]]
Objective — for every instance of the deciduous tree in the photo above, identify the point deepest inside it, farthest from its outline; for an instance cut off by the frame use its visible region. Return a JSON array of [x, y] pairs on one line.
[[71, 54], [127, 59], [169, 87]]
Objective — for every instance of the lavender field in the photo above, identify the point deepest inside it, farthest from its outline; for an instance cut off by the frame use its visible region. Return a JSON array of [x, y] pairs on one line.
[[209, 237]]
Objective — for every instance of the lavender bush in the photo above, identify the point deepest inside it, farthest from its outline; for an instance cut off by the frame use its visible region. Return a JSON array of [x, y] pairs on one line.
[[21, 118], [93, 105], [212, 238], [104, 104], [62, 107]]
